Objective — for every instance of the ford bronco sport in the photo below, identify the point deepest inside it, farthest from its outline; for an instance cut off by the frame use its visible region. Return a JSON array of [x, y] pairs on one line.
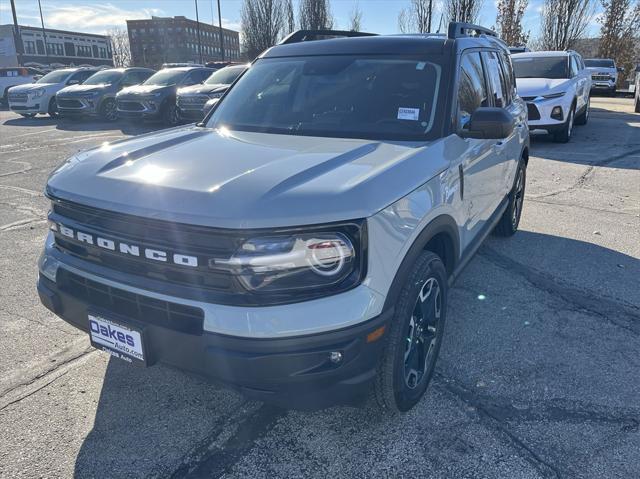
[[299, 243]]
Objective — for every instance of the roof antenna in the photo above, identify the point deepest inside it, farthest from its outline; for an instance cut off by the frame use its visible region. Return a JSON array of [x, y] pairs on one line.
[[440, 23]]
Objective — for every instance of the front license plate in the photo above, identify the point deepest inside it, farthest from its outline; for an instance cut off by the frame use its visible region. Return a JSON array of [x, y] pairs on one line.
[[116, 339]]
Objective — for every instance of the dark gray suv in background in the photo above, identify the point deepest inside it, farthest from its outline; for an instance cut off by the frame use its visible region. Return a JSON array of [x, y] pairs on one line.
[[97, 95], [191, 100], [155, 99]]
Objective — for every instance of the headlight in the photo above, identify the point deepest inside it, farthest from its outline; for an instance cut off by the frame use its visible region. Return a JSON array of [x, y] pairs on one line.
[[37, 93], [215, 95], [317, 262], [554, 95]]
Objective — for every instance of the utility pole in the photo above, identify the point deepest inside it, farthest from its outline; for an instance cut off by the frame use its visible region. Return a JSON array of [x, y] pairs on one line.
[[17, 38], [44, 33], [429, 15], [221, 35], [198, 31]]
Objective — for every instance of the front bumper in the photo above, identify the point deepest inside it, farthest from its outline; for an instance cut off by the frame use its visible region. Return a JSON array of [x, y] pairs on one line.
[[82, 106], [540, 114], [603, 85], [25, 108], [293, 372], [139, 108]]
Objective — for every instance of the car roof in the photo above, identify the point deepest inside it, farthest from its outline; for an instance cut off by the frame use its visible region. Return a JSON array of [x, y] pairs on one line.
[[548, 53], [186, 69], [403, 44]]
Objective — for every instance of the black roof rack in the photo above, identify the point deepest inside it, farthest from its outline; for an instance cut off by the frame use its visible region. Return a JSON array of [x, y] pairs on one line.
[[309, 35], [461, 29]]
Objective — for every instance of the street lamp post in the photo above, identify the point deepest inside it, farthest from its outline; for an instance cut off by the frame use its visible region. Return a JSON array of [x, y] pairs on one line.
[[16, 34], [44, 34], [221, 35], [198, 31]]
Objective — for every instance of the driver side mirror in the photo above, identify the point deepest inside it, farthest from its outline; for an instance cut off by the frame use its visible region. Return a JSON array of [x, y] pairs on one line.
[[489, 123]]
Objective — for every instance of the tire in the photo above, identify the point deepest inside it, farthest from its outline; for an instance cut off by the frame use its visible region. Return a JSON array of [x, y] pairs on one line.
[[508, 224], [414, 337], [109, 110], [583, 117], [564, 135], [53, 108], [170, 114], [638, 104]]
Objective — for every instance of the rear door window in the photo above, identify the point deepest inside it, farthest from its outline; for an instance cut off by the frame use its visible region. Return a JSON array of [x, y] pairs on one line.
[[498, 85], [472, 88]]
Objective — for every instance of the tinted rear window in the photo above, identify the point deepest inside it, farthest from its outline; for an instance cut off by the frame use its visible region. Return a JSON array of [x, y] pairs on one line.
[[597, 63], [541, 67]]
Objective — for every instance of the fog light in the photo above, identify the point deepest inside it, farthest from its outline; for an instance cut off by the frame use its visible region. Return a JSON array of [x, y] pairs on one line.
[[335, 357], [48, 267], [556, 113]]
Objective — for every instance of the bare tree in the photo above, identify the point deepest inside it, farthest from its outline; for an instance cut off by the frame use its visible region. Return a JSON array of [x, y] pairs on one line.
[[509, 21], [120, 47], [290, 19], [262, 24], [564, 22], [462, 10], [620, 33], [417, 17], [315, 15], [355, 18]]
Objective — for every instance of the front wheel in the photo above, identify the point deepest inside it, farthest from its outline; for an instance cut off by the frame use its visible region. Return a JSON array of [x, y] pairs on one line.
[[564, 135], [583, 117], [414, 336], [508, 224], [53, 108], [170, 116], [109, 110]]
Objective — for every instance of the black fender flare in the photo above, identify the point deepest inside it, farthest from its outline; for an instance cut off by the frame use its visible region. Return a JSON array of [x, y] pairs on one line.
[[440, 224]]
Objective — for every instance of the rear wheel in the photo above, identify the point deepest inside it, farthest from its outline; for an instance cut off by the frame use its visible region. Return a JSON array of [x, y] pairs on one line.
[[109, 110], [564, 135], [414, 336], [508, 224], [53, 108]]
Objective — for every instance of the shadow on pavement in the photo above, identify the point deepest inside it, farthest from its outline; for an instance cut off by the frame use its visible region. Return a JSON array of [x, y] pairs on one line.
[[150, 421], [66, 124]]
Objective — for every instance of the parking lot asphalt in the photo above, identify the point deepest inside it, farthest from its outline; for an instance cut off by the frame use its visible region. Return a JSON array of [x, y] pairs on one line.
[[539, 373]]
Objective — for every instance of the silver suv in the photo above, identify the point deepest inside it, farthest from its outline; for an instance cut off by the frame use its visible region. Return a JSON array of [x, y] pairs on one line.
[[298, 245]]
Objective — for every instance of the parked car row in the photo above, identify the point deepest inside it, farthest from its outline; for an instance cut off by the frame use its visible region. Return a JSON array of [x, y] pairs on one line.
[[124, 93]]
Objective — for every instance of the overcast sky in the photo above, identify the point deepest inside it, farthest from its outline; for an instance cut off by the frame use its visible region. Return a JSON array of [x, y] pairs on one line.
[[380, 16]]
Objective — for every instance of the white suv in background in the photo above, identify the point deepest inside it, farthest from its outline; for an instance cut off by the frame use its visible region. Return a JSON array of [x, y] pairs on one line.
[[40, 97], [556, 87], [14, 76]]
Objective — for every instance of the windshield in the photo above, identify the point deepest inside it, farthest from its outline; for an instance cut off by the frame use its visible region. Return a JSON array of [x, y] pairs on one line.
[[165, 77], [225, 76], [57, 76], [335, 96], [106, 77], [595, 63], [541, 67]]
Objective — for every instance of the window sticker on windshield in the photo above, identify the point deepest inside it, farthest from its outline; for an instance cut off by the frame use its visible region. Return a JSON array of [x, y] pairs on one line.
[[408, 114], [421, 65]]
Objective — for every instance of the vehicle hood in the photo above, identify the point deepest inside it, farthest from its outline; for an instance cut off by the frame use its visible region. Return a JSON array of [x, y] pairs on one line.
[[145, 89], [540, 86], [203, 89], [248, 180], [29, 87], [83, 89]]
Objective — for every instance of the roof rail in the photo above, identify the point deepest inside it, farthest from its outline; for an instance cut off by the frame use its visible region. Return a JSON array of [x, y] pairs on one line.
[[309, 35], [461, 29]]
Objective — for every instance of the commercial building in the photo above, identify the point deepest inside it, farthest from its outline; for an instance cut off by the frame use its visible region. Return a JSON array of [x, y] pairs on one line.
[[161, 40], [63, 48]]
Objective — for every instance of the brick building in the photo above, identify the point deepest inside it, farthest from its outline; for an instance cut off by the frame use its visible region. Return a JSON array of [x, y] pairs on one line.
[[161, 40]]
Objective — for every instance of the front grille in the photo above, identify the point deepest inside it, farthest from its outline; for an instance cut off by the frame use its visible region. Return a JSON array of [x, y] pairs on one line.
[[125, 105], [204, 243], [192, 102], [186, 319], [18, 97], [533, 112], [69, 103], [600, 77]]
